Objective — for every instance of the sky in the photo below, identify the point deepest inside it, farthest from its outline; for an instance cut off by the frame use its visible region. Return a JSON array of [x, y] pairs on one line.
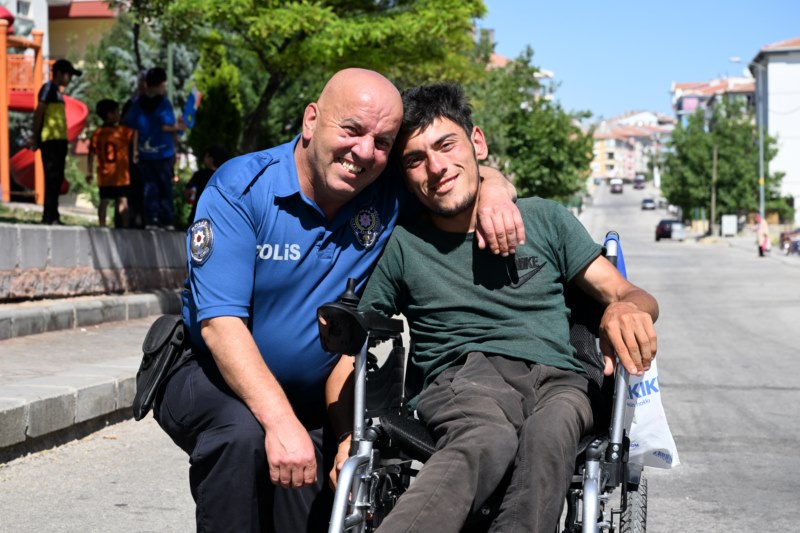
[[623, 55]]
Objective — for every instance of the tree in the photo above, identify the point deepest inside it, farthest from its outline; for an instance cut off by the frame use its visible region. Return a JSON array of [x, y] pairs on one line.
[[219, 117], [532, 136], [410, 41], [688, 163]]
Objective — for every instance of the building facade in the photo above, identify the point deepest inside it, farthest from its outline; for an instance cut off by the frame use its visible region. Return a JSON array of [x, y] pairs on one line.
[[777, 67]]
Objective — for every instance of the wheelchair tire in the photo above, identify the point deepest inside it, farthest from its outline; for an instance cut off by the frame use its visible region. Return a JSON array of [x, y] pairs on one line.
[[634, 518]]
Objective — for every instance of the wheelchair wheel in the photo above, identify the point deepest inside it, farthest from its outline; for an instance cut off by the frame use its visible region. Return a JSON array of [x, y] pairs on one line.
[[634, 518]]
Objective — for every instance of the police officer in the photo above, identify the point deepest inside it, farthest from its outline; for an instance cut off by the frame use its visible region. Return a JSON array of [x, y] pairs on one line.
[[276, 235]]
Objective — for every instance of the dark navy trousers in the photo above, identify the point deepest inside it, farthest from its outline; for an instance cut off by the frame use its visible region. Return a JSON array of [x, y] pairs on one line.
[[157, 182], [229, 474]]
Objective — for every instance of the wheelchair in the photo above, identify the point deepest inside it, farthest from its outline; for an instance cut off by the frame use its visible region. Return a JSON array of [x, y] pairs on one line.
[[389, 445]]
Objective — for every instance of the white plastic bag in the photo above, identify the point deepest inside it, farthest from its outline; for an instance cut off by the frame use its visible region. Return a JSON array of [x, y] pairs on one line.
[[651, 440]]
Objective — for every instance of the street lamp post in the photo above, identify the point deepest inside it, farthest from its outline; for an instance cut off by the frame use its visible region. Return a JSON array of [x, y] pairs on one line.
[[760, 124]]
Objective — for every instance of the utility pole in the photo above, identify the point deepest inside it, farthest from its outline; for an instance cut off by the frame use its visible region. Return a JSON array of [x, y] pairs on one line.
[[713, 190]]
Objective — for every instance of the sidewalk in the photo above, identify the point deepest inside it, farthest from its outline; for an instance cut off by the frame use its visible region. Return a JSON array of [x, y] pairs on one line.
[[746, 240], [68, 366]]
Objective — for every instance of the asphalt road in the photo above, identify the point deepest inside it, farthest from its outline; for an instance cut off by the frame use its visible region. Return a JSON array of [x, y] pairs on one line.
[[727, 357], [727, 363]]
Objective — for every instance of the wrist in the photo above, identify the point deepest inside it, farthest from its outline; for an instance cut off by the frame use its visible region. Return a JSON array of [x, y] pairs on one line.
[[345, 437]]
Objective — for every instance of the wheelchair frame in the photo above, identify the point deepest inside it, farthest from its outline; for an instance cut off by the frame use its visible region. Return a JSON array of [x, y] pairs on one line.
[[368, 483]]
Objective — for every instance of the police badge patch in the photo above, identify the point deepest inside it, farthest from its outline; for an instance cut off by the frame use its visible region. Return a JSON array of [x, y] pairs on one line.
[[366, 226], [202, 239]]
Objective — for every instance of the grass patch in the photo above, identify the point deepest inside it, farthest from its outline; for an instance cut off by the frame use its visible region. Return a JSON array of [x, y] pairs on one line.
[[14, 215]]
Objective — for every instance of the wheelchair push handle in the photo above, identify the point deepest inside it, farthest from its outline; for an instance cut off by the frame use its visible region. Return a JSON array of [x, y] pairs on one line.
[[344, 329]]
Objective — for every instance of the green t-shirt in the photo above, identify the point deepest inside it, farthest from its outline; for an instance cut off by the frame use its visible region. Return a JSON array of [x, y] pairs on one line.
[[459, 299]]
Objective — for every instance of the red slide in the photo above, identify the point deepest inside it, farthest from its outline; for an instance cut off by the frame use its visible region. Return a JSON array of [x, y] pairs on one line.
[[22, 162]]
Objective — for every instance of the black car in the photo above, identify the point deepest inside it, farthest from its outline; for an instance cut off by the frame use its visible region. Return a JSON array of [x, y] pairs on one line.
[[670, 229]]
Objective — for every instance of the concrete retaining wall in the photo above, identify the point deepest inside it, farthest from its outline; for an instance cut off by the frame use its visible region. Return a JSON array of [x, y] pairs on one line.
[[57, 261]]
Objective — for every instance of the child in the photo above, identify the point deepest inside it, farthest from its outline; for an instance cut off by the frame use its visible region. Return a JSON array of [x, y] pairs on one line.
[[213, 157], [111, 143]]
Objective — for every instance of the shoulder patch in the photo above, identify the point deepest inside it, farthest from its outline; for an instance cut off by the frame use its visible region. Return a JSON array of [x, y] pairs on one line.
[[201, 241]]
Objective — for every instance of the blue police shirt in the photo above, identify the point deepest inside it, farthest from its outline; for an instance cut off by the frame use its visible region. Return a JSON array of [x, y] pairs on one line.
[[261, 250]]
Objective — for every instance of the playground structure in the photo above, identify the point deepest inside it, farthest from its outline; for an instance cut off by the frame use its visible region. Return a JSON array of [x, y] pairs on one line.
[[21, 77]]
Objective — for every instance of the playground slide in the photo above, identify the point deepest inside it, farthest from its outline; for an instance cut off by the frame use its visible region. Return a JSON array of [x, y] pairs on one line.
[[22, 162]]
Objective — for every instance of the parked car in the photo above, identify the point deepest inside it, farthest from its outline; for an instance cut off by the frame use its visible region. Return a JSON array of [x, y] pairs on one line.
[[670, 229], [616, 185], [648, 204], [790, 241]]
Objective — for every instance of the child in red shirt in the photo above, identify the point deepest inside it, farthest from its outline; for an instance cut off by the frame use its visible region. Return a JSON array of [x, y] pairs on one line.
[[111, 143]]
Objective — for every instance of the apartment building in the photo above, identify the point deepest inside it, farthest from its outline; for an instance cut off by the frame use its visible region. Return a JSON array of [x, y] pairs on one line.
[[688, 98], [773, 91], [777, 68], [69, 25], [624, 146]]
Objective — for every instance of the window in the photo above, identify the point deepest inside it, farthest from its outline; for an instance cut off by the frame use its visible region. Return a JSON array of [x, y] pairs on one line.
[[610, 155], [23, 8]]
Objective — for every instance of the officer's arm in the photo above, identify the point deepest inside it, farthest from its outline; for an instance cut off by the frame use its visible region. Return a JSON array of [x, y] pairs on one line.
[[290, 452], [500, 225]]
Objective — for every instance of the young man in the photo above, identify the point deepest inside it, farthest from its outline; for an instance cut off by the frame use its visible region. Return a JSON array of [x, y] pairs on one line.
[[50, 134], [111, 143], [277, 234], [502, 390], [152, 116]]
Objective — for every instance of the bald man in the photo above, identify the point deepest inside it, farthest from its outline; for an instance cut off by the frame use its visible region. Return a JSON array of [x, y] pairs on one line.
[[277, 234]]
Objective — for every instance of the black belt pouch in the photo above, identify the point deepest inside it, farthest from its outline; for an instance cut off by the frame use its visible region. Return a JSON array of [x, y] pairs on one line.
[[162, 346]]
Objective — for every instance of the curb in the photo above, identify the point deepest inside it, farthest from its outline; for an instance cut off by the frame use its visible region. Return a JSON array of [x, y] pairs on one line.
[[30, 318], [46, 411]]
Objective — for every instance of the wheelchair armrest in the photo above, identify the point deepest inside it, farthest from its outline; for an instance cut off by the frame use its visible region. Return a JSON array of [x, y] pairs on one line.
[[343, 329], [409, 435]]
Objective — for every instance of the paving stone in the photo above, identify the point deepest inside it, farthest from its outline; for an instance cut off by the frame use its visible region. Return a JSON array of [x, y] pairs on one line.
[[9, 236], [13, 421], [64, 247], [88, 313], [36, 255], [28, 322], [104, 248], [59, 316], [50, 408]]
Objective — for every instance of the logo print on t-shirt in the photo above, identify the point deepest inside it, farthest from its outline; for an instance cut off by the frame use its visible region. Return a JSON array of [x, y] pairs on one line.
[[521, 264], [366, 226]]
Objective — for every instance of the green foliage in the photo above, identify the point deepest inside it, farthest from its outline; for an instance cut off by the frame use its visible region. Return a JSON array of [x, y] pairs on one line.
[[688, 163], [531, 135], [110, 70], [285, 44], [182, 208], [77, 182], [219, 117]]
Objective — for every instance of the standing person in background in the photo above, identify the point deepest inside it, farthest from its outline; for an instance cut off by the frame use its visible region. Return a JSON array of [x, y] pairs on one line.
[[111, 143], [213, 157], [50, 134], [136, 188], [152, 116], [762, 235]]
